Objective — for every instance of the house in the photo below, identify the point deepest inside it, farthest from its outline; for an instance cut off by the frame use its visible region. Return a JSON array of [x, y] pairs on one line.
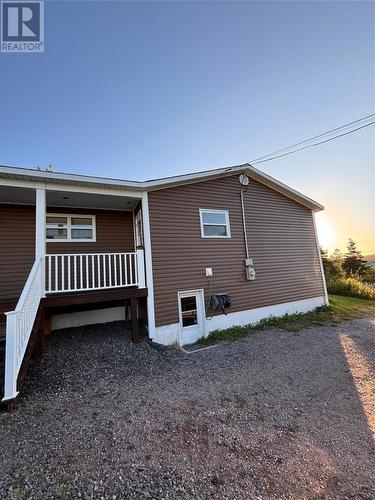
[[187, 254]]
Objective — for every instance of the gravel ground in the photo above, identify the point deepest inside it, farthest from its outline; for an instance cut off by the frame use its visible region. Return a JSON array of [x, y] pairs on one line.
[[276, 415]]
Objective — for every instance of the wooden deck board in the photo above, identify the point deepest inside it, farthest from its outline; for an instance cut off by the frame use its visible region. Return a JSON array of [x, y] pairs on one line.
[[91, 297]]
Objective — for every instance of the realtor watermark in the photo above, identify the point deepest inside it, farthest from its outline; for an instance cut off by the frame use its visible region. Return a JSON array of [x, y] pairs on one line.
[[22, 26]]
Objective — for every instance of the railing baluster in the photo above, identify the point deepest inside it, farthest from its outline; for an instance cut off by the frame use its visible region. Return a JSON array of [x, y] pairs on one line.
[[126, 269], [100, 271], [121, 278], [80, 272], [69, 273], [75, 271], [92, 271], [115, 271], [110, 270], [63, 272], [135, 269], [87, 270], [56, 273], [49, 274], [105, 270], [131, 269]]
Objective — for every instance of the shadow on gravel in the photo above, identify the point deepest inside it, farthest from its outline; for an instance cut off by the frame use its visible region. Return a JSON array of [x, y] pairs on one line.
[[277, 415]]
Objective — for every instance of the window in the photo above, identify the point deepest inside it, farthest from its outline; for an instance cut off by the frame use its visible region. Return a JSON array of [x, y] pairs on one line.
[[214, 223], [139, 229], [189, 311], [61, 227]]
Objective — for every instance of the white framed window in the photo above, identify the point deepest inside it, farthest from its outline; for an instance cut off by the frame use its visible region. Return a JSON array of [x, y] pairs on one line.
[[214, 223], [63, 227], [139, 229]]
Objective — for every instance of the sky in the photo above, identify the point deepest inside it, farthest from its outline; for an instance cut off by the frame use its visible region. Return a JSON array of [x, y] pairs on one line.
[[140, 90]]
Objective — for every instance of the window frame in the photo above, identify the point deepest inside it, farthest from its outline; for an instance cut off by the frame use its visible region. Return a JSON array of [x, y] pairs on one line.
[[212, 211], [69, 228], [138, 228]]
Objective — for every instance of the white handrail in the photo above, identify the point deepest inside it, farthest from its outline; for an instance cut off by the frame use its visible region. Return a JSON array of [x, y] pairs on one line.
[[19, 326], [93, 271]]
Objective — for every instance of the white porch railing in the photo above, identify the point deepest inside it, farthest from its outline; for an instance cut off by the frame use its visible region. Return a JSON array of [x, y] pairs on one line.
[[94, 271], [19, 324]]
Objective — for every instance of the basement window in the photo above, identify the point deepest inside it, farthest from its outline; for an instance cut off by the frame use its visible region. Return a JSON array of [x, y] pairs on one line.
[[62, 228], [214, 223]]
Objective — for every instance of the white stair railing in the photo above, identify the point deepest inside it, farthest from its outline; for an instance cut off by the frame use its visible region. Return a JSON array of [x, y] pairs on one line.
[[19, 325], [93, 271]]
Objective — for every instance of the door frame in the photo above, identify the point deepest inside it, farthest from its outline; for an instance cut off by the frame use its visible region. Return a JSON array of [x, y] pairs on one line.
[[190, 334]]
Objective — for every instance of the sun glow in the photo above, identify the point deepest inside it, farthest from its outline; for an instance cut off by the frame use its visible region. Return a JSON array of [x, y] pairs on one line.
[[326, 231]]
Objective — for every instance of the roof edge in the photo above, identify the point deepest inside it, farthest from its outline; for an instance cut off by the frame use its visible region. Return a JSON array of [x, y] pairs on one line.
[[156, 184]]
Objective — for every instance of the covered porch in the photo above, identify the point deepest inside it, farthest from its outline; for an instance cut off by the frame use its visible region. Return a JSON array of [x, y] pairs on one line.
[[88, 254]]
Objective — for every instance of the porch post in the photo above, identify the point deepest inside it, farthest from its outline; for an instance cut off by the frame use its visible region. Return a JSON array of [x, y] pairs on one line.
[[40, 231], [141, 268]]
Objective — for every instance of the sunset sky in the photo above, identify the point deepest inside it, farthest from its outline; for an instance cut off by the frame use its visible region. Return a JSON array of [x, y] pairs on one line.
[[144, 90]]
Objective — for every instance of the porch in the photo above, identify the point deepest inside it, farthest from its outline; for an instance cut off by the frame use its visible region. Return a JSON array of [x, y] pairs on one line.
[[65, 278]]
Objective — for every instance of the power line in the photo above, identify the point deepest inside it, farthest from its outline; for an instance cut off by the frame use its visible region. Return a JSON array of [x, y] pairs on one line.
[[316, 137], [254, 162]]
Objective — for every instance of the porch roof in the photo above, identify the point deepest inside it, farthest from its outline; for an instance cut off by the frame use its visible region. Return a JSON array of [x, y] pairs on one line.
[[57, 178]]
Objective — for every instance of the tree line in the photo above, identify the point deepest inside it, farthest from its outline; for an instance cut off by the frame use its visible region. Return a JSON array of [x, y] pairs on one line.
[[350, 264]]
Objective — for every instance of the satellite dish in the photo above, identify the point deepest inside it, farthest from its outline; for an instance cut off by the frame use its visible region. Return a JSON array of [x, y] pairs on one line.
[[244, 180]]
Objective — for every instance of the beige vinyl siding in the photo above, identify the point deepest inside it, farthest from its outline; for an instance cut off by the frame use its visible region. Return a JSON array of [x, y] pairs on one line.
[[17, 248], [281, 242]]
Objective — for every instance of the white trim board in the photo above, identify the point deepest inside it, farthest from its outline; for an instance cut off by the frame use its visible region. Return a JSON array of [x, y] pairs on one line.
[[148, 261], [320, 260], [169, 334], [241, 318]]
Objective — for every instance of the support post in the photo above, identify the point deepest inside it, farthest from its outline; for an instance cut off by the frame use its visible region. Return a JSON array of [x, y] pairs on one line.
[[39, 341], [141, 268], [134, 313], [40, 233], [46, 324]]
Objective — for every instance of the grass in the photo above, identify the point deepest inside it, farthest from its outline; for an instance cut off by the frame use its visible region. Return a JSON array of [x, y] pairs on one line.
[[351, 287], [340, 309], [16, 494]]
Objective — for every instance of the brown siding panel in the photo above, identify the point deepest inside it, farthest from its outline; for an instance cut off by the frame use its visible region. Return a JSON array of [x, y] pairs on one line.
[[114, 233], [17, 248], [281, 242]]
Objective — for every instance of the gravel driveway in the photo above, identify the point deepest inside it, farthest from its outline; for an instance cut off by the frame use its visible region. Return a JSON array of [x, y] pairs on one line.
[[276, 415]]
